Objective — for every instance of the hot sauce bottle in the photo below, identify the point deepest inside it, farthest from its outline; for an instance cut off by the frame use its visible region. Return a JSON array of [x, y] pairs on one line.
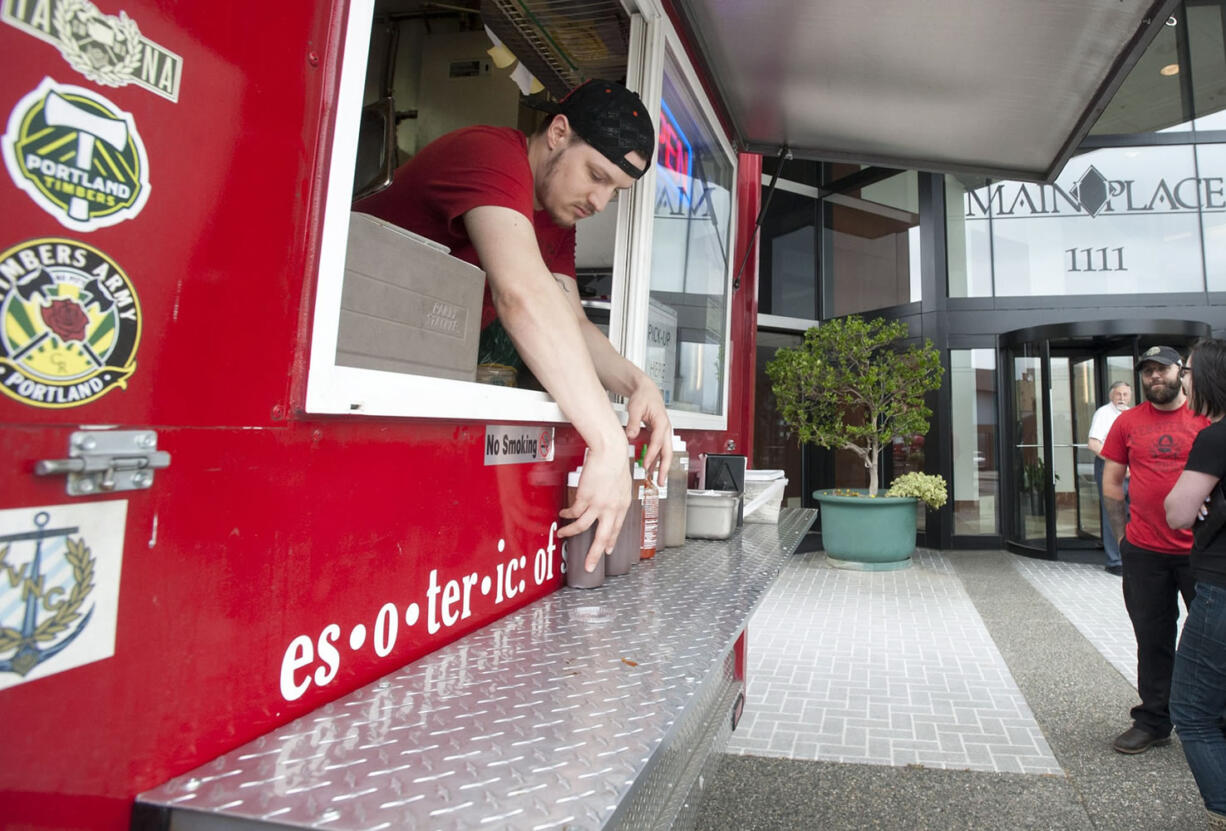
[[650, 496]]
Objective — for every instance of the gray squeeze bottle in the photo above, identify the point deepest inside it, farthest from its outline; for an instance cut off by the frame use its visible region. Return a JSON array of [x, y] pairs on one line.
[[629, 540], [577, 575], [678, 474]]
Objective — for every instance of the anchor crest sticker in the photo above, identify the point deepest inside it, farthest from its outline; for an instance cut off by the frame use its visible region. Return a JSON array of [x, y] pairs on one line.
[[51, 614], [59, 587]]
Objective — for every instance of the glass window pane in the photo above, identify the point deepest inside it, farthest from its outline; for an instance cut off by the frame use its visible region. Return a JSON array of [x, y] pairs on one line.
[[1211, 161], [907, 456], [774, 445], [976, 484], [1149, 100], [689, 254], [1086, 514], [1029, 456], [1064, 457], [787, 274], [1119, 368], [873, 242], [968, 239], [1116, 221]]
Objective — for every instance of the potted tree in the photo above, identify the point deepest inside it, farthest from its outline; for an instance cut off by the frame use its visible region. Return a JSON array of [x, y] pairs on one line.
[[851, 386]]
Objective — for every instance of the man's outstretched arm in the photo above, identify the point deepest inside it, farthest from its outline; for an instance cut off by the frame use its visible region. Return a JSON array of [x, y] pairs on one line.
[[542, 324]]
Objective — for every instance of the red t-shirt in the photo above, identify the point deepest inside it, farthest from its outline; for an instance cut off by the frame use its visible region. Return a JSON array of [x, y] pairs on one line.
[[1154, 444], [467, 169]]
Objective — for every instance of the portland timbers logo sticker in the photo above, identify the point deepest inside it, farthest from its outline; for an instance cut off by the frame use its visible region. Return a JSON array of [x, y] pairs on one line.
[[77, 155], [69, 323]]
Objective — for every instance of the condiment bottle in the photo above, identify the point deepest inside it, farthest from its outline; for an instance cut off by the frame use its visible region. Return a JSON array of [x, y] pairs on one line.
[[662, 523], [577, 575], [627, 549], [678, 476], [651, 512]]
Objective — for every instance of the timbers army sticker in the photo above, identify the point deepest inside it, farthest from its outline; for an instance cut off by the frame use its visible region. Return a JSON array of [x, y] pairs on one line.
[[107, 49], [69, 323], [77, 155]]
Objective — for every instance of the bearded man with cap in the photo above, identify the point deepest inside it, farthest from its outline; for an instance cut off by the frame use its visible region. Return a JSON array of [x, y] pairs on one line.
[[508, 203], [1152, 442]]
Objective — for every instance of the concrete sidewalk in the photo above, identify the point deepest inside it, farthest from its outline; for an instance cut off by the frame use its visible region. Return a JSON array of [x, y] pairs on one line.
[[974, 690]]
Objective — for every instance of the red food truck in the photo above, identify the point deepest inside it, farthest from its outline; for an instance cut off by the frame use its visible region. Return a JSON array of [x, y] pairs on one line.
[[249, 473]]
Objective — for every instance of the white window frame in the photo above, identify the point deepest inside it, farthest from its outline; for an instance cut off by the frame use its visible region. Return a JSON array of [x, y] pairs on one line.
[[660, 41], [333, 389]]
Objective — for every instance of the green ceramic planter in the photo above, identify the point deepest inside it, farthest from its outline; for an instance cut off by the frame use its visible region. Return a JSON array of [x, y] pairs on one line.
[[869, 534]]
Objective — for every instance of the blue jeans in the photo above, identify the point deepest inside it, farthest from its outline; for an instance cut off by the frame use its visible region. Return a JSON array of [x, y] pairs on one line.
[[1198, 693], [1111, 545]]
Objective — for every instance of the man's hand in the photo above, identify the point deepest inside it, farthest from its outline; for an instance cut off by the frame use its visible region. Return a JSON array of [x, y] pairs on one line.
[[545, 328], [603, 497], [646, 406]]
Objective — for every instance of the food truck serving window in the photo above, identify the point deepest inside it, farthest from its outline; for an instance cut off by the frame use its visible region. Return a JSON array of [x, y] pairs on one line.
[[687, 323], [397, 318]]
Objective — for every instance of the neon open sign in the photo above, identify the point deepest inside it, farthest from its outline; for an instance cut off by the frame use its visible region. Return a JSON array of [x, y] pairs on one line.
[[675, 152]]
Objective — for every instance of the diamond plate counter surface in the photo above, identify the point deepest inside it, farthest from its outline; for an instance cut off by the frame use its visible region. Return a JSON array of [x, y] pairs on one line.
[[550, 717]]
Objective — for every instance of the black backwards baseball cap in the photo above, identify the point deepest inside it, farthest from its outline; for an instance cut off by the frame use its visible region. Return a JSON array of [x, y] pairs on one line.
[[1164, 355], [609, 117]]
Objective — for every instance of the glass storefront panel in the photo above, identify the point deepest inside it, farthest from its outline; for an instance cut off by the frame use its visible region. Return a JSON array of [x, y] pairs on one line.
[[1119, 368], [689, 254], [1029, 453], [774, 447], [1086, 518], [967, 240], [1116, 221], [787, 274], [1211, 164], [973, 417], [907, 456], [872, 245], [1073, 403]]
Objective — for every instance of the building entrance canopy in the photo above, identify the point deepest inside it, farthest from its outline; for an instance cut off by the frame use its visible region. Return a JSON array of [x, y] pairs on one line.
[[992, 87]]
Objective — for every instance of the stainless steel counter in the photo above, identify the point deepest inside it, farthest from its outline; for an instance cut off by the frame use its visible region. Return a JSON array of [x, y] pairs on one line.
[[555, 716]]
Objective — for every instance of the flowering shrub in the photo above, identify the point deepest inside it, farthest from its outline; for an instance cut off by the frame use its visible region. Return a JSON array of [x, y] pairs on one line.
[[928, 488]]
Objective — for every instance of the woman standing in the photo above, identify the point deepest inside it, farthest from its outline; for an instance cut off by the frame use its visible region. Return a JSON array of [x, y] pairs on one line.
[[1198, 684]]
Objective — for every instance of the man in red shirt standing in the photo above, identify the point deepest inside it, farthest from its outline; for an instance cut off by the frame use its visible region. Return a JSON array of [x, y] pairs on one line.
[[1152, 441]]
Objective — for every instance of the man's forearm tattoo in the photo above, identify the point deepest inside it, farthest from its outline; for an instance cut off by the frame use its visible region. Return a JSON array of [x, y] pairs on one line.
[[561, 281], [1117, 515]]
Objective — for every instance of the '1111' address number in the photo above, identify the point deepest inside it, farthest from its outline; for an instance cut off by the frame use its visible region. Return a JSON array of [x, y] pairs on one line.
[[1095, 259]]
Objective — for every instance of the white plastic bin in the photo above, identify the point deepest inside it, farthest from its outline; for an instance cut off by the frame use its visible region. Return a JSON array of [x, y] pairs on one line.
[[764, 495]]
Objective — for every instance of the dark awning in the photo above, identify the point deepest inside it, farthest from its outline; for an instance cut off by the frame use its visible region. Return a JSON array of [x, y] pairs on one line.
[[1004, 88]]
